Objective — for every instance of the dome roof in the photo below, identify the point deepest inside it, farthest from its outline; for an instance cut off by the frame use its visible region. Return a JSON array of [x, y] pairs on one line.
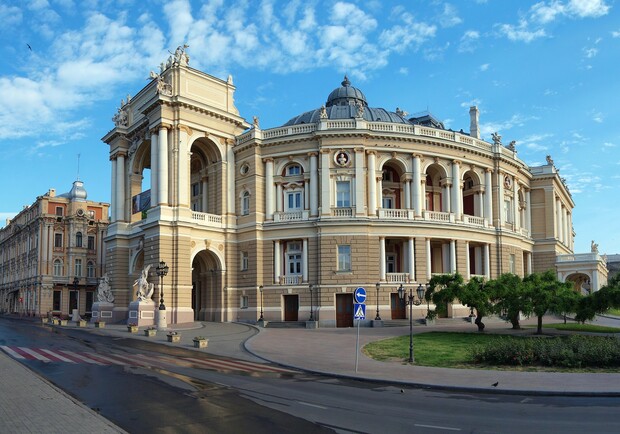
[[342, 103], [78, 192], [346, 95]]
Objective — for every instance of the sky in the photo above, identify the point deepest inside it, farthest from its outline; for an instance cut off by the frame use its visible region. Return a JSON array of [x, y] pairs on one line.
[[543, 73]]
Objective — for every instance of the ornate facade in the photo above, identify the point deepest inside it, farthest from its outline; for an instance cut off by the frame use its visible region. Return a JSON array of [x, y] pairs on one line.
[[52, 254], [284, 223]]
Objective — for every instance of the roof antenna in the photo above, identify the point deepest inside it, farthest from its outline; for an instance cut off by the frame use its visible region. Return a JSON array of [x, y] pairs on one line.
[[78, 167]]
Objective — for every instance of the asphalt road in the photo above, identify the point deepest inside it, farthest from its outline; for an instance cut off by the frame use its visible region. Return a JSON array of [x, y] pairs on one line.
[[143, 387]]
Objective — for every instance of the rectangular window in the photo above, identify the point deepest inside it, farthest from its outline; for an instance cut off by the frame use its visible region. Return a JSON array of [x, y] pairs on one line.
[[58, 241], [388, 202], [196, 189], [59, 211], [78, 268], [245, 203], [57, 268], [91, 242], [90, 298], [508, 211], [293, 170], [294, 263], [245, 261], [90, 270], [244, 302], [511, 264], [56, 300], [343, 194], [293, 200], [344, 258]]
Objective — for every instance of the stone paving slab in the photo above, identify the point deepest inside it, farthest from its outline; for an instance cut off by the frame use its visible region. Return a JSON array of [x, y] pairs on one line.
[[31, 404]]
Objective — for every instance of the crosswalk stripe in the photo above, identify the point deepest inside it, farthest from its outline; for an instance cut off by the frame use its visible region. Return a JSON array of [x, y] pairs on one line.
[[81, 357], [34, 354], [242, 365], [107, 359], [55, 356], [11, 353]]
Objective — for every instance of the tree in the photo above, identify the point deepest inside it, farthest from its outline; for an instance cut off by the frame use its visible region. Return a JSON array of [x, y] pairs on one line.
[[446, 288], [546, 294], [508, 294]]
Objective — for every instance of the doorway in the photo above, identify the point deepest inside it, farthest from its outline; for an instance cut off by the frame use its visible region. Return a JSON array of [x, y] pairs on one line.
[[291, 307], [398, 307], [344, 310]]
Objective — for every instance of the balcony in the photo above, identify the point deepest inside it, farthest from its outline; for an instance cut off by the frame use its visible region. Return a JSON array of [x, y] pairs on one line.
[[290, 216], [396, 214], [474, 220], [206, 219], [342, 212], [291, 280], [438, 216], [397, 277]]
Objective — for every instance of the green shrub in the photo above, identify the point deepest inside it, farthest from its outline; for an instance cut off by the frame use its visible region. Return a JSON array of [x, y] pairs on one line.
[[574, 351]]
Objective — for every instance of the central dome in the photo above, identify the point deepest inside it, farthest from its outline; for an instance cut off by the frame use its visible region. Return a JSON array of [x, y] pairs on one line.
[[346, 95]]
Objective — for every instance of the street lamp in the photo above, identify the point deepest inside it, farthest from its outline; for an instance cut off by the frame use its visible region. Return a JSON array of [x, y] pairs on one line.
[[260, 288], [411, 300], [378, 286], [162, 270], [311, 305]]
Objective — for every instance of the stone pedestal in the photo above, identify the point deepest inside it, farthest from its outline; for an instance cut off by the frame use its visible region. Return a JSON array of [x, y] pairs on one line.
[[142, 313], [102, 311], [160, 319]]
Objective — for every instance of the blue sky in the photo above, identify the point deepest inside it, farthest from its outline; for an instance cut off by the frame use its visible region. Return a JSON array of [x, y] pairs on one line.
[[542, 73]]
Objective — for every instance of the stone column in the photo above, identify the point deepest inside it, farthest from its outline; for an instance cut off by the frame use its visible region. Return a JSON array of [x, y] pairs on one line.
[[428, 260], [487, 262], [417, 186], [359, 181], [154, 167], [269, 188], [114, 192], [279, 197], [205, 194], [558, 219], [304, 261], [528, 212], [467, 259], [326, 201], [183, 169], [565, 226], [382, 259], [488, 197], [407, 193], [445, 196], [452, 256], [162, 188], [230, 179], [314, 186], [277, 258], [372, 184], [457, 196], [120, 186], [411, 260], [515, 201]]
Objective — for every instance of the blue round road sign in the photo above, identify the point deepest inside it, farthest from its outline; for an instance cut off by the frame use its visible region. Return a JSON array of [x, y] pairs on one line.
[[360, 295]]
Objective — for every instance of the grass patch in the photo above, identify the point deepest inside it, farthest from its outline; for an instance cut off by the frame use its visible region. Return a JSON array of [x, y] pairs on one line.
[[577, 327], [456, 350], [615, 312]]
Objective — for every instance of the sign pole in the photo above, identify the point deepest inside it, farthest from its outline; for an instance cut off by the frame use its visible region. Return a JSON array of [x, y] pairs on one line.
[[357, 345]]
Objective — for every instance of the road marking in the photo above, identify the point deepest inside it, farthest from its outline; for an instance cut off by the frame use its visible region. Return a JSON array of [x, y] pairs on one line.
[[311, 405], [11, 353], [57, 356], [437, 427], [84, 358], [34, 354]]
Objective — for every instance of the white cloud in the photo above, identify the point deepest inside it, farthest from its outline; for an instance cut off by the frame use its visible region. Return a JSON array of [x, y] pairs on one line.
[[484, 67], [521, 32], [615, 34], [544, 13], [597, 116], [535, 142], [587, 8], [590, 52], [516, 120], [449, 16], [469, 41], [10, 16]]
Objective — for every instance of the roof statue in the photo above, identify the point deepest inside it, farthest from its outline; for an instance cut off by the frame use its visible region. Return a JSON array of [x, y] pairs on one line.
[[104, 292], [549, 160], [497, 139], [594, 247], [145, 289]]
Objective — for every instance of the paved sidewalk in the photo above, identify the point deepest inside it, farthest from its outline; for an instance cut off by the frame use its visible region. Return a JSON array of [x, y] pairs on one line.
[[30, 404]]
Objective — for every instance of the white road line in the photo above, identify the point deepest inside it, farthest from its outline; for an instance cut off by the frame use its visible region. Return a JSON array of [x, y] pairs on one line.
[[12, 353], [57, 355], [437, 427], [311, 405], [35, 354], [108, 359]]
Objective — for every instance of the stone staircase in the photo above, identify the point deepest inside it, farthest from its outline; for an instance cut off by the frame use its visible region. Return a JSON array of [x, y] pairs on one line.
[[285, 324]]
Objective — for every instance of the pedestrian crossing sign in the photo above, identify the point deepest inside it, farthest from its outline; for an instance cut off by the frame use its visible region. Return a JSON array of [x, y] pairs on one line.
[[359, 311]]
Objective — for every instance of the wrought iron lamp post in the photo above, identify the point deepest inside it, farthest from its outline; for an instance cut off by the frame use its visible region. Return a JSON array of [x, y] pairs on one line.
[[162, 270], [411, 300], [260, 288], [378, 287]]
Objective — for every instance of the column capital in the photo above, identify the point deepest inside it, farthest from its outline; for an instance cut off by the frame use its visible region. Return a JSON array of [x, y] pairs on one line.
[[185, 128], [416, 155], [371, 152], [488, 170], [457, 162], [312, 154], [268, 160], [164, 126]]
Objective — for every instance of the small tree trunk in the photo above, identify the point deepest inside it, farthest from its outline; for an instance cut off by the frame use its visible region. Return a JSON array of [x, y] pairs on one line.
[[539, 329], [514, 320], [479, 323]]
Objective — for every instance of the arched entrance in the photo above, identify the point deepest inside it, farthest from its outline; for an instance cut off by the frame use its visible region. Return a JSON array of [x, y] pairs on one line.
[[581, 283], [208, 302]]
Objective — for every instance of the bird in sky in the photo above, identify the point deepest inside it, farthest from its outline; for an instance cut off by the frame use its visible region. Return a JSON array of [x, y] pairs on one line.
[[29, 47]]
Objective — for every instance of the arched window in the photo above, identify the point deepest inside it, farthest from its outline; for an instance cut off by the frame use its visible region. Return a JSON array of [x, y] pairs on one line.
[[245, 203], [58, 268], [78, 239], [293, 170]]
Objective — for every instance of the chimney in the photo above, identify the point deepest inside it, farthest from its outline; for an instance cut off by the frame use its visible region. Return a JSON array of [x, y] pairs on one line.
[[51, 192], [474, 129]]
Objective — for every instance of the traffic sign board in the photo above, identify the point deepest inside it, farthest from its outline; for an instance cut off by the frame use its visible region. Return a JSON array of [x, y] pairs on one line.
[[360, 295], [359, 311]]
